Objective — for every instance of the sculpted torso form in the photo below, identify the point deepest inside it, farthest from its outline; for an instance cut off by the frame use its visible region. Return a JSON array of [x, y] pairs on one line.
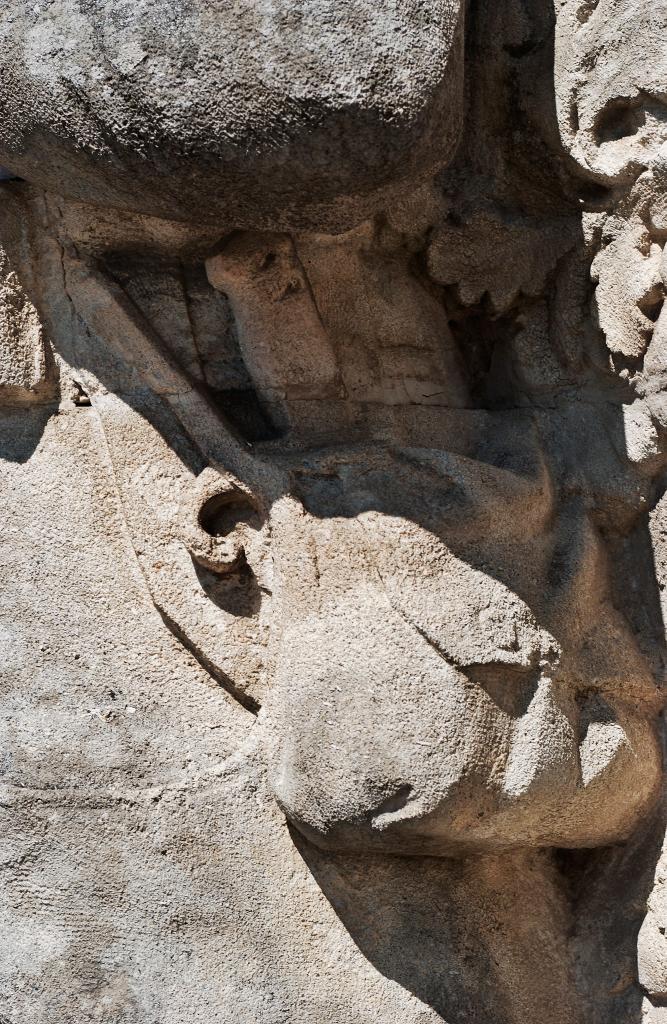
[[332, 364]]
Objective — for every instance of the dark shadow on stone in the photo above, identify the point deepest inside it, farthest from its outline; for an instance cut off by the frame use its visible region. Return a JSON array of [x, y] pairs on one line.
[[236, 593], [409, 917], [21, 430], [608, 890], [451, 932]]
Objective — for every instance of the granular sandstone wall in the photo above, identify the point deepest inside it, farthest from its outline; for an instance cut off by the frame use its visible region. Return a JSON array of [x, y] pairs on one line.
[[334, 543]]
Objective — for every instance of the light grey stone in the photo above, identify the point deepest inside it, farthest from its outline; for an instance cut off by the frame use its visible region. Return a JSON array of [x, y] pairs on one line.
[[242, 114], [333, 557]]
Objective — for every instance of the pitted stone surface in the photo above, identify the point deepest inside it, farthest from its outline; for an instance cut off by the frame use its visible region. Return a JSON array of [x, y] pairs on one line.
[[333, 553], [238, 113]]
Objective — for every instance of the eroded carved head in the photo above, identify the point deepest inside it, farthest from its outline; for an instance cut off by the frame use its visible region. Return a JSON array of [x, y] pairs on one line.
[[417, 590], [450, 673], [447, 671]]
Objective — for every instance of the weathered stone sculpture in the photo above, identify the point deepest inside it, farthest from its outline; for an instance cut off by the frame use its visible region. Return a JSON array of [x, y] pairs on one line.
[[331, 375]]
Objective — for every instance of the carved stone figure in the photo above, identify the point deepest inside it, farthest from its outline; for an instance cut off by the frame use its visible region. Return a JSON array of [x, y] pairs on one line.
[[331, 383]]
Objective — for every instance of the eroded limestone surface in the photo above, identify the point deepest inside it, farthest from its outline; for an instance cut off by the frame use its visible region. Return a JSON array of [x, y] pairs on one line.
[[334, 538]]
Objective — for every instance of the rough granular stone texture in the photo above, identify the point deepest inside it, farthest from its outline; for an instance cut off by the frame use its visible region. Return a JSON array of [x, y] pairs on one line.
[[333, 548]]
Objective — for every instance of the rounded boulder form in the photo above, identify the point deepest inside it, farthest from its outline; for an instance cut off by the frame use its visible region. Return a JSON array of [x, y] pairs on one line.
[[255, 114]]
